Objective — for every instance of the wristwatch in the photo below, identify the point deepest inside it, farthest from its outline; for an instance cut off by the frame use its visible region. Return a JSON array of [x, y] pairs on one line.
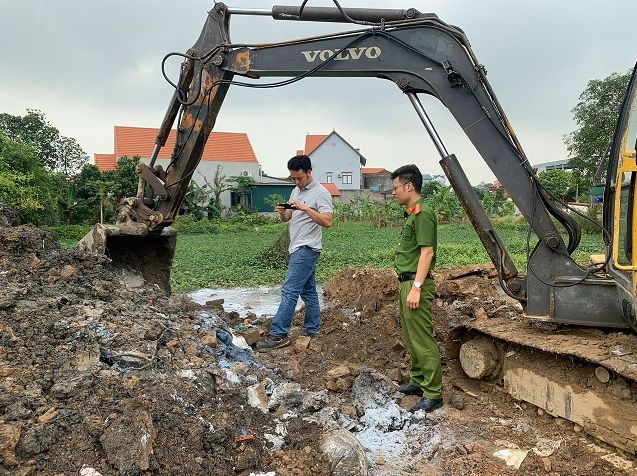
[[417, 284]]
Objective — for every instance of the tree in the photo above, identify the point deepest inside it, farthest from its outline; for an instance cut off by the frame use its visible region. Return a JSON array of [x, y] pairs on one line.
[[557, 182], [25, 185], [84, 202], [58, 153], [69, 156], [431, 187], [243, 187], [195, 201], [101, 196], [33, 129], [124, 177], [596, 115], [445, 204], [217, 187], [273, 199]]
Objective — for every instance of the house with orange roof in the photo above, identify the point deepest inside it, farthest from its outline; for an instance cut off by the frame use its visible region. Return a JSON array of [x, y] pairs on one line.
[[334, 160], [376, 179], [231, 151]]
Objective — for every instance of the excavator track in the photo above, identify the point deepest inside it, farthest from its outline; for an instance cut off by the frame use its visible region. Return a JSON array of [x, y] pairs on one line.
[[587, 376]]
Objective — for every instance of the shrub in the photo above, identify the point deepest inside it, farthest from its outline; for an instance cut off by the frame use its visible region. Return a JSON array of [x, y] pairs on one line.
[[187, 225], [69, 232]]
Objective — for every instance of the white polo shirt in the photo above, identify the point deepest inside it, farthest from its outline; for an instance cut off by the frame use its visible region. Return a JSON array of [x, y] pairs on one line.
[[303, 230]]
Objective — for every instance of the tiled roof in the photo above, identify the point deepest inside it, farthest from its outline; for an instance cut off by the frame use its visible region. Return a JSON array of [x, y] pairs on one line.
[[105, 162], [373, 170], [221, 146], [332, 189], [312, 142]]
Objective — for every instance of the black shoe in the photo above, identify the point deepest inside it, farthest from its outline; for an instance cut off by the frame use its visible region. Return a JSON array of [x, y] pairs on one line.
[[310, 334], [273, 342], [427, 404], [410, 389]]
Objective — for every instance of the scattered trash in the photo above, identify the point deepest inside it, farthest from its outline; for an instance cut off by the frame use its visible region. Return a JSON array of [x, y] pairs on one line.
[[88, 471], [244, 438], [240, 342], [617, 351], [257, 397], [276, 441], [512, 457]]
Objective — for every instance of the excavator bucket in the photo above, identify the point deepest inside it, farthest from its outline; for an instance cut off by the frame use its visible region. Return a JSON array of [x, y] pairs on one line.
[[132, 247]]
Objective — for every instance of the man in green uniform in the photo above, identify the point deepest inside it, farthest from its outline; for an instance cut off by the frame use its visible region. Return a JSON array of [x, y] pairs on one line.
[[415, 258]]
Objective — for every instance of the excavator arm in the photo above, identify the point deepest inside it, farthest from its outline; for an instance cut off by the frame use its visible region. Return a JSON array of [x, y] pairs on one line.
[[422, 55]]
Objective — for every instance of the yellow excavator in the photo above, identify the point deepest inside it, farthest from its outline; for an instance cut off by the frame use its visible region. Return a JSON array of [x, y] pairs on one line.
[[583, 371]]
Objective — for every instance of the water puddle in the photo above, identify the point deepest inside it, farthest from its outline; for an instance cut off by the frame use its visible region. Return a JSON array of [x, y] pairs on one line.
[[262, 300]]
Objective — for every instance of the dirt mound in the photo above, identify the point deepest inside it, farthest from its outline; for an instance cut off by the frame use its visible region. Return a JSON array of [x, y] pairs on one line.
[[102, 372], [8, 216], [361, 330]]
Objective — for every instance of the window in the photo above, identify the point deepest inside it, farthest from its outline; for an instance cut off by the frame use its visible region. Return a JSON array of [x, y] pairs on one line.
[[347, 177], [328, 177]]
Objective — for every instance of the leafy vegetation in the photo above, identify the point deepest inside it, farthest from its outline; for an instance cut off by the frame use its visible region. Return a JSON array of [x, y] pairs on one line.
[[25, 184], [57, 152], [235, 256], [596, 115]]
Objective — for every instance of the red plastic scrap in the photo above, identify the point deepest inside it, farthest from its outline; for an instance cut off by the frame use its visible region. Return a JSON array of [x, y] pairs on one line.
[[244, 438]]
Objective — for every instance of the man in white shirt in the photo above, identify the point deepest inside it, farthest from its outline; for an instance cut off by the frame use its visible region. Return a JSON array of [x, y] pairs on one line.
[[311, 211]]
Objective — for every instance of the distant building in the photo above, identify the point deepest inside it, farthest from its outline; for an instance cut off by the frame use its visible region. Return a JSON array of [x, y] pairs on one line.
[[495, 187], [554, 165], [376, 179], [232, 151], [442, 179], [334, 192], [334, 160]]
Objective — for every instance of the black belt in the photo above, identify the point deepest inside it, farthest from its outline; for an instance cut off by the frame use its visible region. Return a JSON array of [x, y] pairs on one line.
[[412, 276]]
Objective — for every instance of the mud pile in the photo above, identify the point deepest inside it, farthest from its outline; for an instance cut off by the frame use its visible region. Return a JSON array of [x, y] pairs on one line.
[[361, 330], [103, 374]]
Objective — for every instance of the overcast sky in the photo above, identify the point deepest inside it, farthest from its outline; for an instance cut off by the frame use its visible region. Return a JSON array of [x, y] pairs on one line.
[[90, 65]]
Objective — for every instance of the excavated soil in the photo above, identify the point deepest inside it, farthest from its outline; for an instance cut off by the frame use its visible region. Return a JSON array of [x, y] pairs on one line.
[[362, 330], [103, 374]]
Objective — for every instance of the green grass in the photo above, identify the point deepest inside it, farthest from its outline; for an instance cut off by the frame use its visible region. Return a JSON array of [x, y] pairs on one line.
[[230, 257]]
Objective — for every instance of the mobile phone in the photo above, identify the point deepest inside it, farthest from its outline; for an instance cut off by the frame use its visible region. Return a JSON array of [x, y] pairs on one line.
[[287, 206]]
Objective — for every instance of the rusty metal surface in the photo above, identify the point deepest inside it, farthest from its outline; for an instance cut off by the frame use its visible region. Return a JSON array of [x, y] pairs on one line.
[[131, 246], [616, 351], [485, 230]]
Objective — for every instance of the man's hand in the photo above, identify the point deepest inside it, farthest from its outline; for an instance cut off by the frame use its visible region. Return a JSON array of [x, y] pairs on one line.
[[323, 219], [413, 298], [280, 210], [304, 207], [284, 213]]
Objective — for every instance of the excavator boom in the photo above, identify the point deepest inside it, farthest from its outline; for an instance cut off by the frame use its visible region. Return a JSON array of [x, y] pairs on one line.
[[422, 55]]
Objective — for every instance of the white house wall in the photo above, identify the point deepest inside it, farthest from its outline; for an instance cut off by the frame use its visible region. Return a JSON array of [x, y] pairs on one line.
[[334, 155], [208, 168]]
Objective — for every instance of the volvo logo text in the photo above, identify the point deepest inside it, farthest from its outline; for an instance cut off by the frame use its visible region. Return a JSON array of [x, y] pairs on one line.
[[370, 52]]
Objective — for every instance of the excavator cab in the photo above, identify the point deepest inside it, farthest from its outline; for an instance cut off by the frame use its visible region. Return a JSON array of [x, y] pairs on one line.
[[620, 211]]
